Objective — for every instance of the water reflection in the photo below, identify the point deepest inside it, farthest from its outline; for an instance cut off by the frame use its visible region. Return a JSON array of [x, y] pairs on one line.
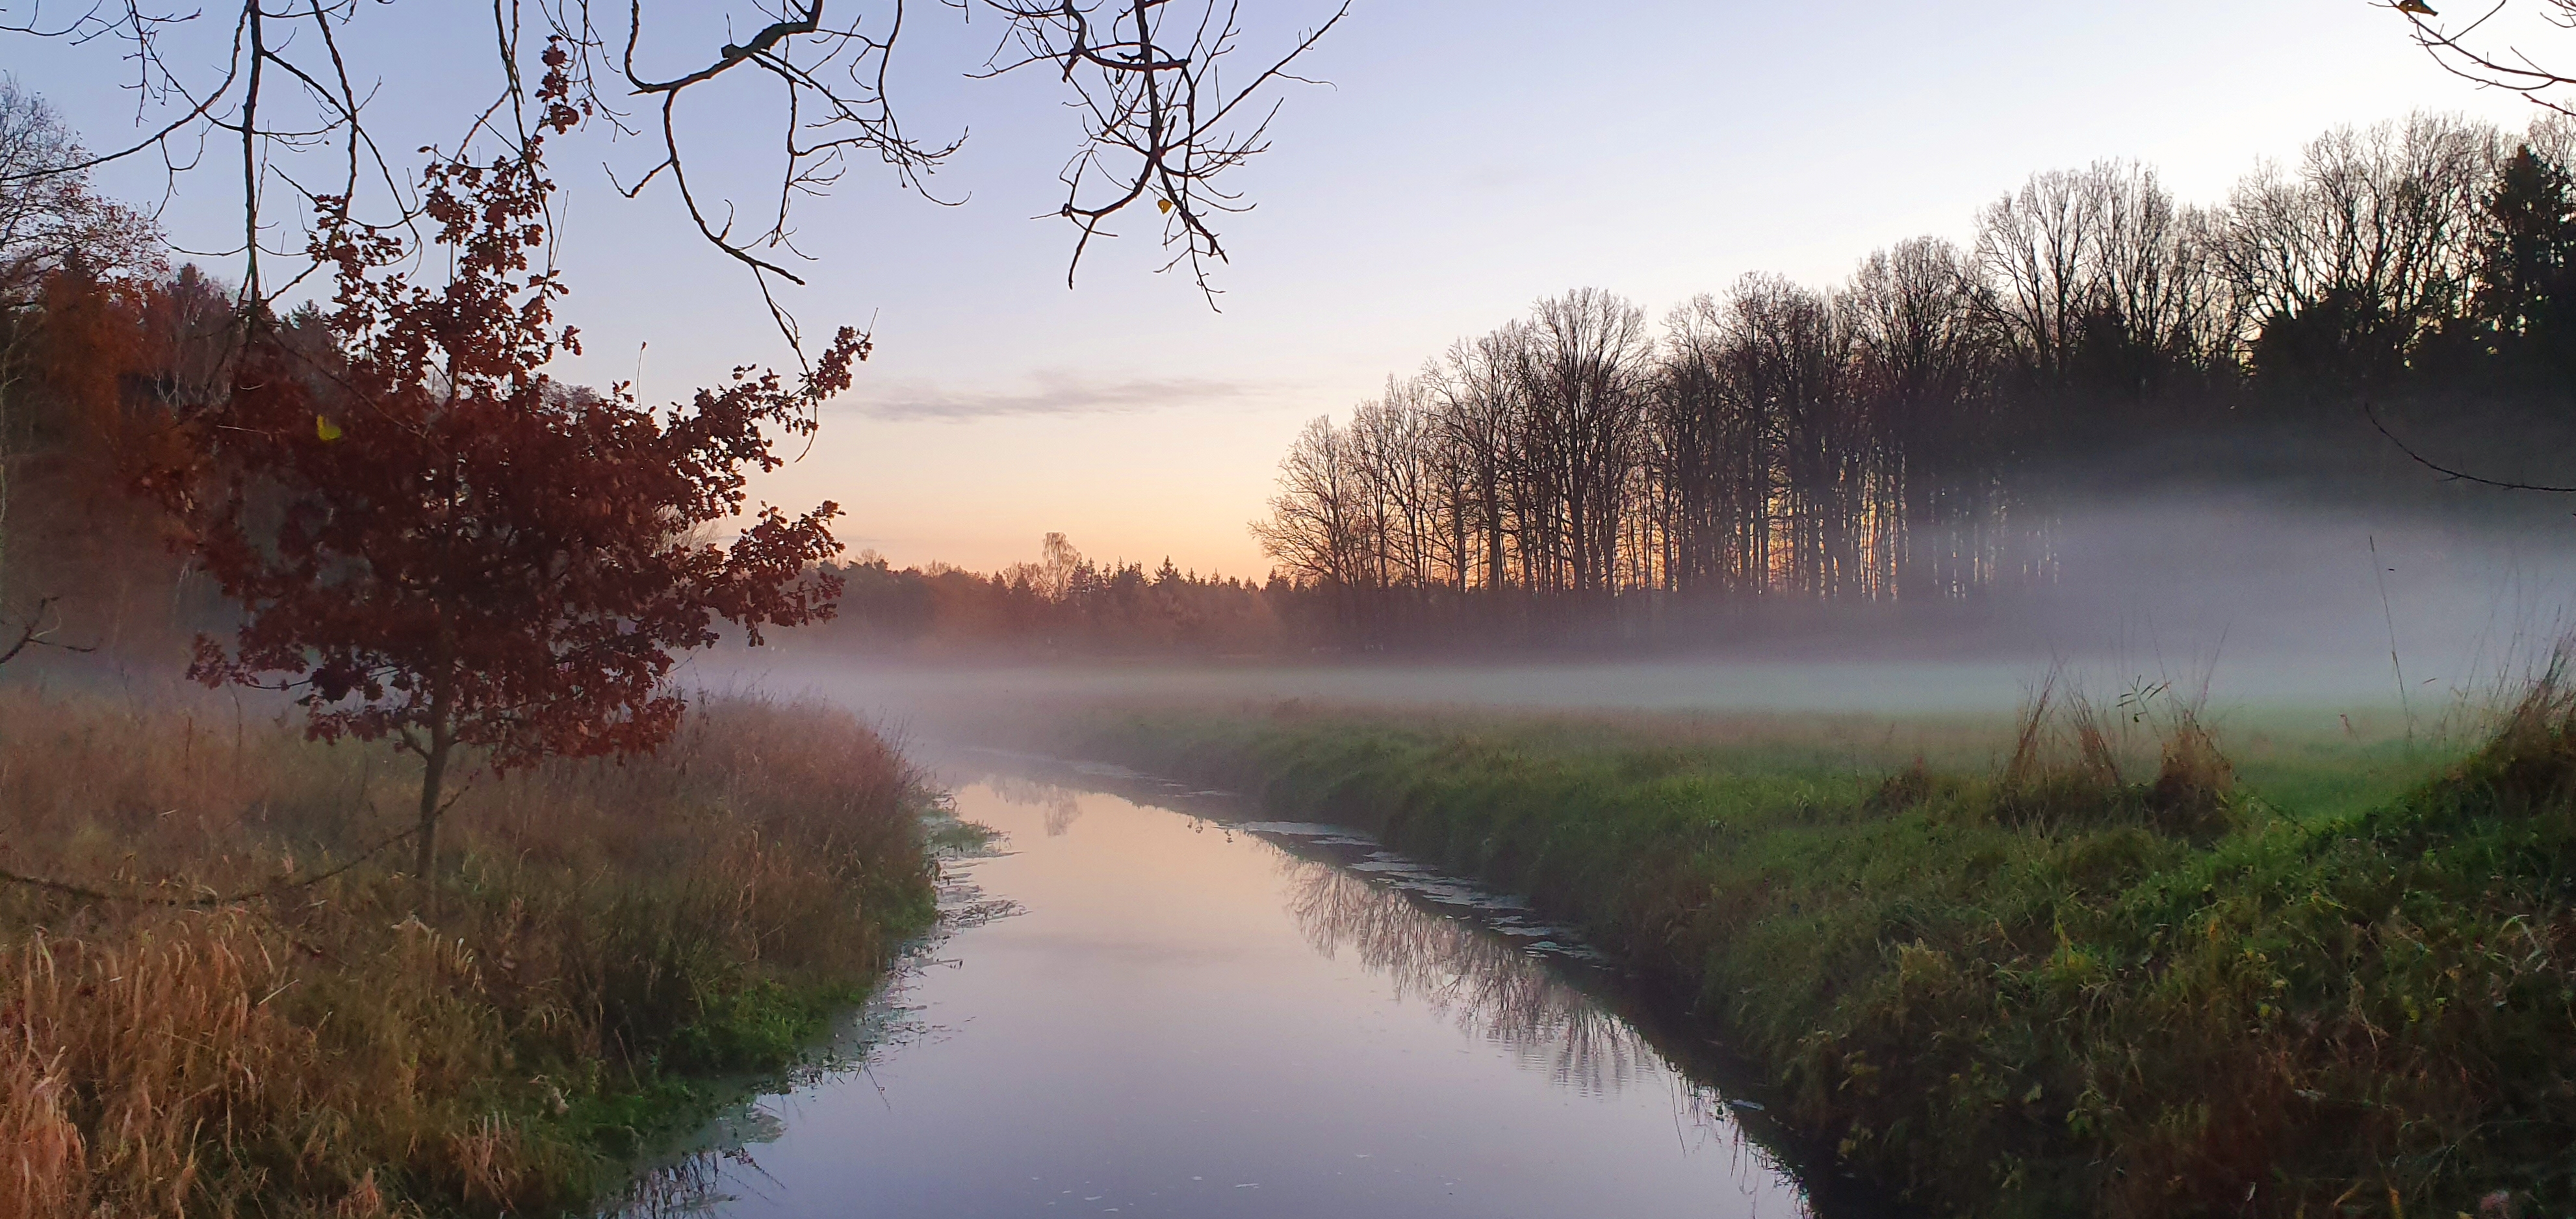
[[1481, 960], [1209, 1014], [1490, 986], [1062, 805], [716, 1164], [691, 1184]]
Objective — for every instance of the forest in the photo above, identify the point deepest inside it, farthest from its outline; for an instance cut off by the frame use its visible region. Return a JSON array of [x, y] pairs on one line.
[[2387, 310]]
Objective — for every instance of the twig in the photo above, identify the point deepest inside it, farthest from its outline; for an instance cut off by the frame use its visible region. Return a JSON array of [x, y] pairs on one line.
[[2428, 463], [276, 885], [33, 635]]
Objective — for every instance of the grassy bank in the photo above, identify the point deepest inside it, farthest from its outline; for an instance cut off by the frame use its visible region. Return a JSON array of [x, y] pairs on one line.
[[614, 935], [2087, 976]]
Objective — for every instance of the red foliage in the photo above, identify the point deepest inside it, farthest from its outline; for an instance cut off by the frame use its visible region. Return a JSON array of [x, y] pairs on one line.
[[437, 543]]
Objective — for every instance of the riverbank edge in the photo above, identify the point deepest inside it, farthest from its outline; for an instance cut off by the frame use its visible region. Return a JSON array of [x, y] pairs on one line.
[[1986, 1095], [767, 1032], [783, 1029], [753, 1043]]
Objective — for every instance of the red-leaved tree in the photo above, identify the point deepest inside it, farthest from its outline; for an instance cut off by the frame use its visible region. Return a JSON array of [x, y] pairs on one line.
[[433, 542]]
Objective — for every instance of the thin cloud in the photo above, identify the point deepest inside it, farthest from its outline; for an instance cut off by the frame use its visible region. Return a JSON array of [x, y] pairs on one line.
[[1049, 394]]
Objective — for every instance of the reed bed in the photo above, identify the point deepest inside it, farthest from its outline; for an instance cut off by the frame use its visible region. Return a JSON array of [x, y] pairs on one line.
[[369, 1044]]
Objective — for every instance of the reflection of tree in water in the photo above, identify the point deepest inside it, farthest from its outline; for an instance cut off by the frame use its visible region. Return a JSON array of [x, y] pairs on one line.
[[1486, 983], [1494, 989], [1063, 805]]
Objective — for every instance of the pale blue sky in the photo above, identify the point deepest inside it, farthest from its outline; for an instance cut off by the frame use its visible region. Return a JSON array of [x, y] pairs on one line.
[[1466, 159]]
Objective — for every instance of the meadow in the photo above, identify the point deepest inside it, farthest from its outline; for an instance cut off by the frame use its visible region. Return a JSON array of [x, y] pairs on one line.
[[215, 1001], [2104, 958]]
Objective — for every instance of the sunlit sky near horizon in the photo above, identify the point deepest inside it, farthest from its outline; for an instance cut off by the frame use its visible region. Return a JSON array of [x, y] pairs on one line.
[[1464, 160]]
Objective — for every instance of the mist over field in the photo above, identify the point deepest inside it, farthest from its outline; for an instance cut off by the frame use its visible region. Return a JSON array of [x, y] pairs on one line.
[[2273, 604]]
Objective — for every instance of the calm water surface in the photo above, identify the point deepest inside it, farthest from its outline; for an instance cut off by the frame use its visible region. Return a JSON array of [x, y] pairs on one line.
[[1155, 1005]]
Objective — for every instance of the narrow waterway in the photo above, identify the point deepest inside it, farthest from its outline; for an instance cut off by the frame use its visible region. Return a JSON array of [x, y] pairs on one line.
[[1158, 1005]]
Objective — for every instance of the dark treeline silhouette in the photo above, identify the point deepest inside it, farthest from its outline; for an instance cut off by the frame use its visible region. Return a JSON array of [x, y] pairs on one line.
[[1063, 603], [1779, 457], [1907, 439], [1907, 436]]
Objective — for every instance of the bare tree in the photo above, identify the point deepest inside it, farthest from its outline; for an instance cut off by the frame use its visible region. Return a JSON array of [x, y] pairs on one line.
[[1058, 560], [1789, 348], [2552, 137], [1392, 439], [1479, 400], [2037, 247], [1319, 524], [2160, 306], [1712, 448], [1584, 374], [1916, 316], [1918, 326], [50, 217], [1885, 439], [2369, 239]]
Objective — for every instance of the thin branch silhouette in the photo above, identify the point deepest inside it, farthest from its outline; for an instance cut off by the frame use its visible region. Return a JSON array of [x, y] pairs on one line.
[[1161, 125], [2372, 413], [2466, 52], [271, 887]]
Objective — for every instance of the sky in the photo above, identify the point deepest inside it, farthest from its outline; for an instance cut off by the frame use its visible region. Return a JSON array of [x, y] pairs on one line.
[[1459, 161]]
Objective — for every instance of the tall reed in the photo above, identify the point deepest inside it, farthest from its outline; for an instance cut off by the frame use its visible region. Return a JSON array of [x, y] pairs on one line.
[[372, 1045]]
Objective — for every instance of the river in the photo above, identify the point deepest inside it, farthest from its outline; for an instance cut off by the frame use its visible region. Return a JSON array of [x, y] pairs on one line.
[[1150, 1002]]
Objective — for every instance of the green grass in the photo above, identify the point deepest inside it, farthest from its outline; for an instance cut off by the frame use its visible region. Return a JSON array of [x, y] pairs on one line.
[[2341, 985]]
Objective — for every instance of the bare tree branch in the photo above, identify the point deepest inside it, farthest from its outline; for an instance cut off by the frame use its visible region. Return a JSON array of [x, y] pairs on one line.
[[268, 888], [2370, 412], [36, 634], [1159, 122], [2473, 52]]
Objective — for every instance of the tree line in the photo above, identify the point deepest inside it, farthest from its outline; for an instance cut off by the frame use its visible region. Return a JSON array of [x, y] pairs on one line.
[[1062, 603], [1894, 437]]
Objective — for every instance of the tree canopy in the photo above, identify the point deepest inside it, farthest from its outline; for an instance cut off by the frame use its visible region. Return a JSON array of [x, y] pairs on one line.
[[435, 542]]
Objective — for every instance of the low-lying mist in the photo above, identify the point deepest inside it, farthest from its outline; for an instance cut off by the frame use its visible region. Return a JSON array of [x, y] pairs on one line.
[[2392, 615]]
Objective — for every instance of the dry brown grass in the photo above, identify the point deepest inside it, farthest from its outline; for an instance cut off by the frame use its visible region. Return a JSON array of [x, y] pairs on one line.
[[351, 1048], [2194, 780], [2071, 758]]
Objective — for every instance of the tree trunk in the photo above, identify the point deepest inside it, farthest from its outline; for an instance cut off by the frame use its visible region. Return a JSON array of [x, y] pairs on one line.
[[433, 776]]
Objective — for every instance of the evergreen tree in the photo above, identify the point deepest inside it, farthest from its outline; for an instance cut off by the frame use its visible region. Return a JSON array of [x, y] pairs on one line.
[[2525, 297]]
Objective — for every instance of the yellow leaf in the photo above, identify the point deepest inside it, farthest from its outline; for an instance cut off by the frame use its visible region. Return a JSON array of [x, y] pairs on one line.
[[1163, 204], [324, 428]]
